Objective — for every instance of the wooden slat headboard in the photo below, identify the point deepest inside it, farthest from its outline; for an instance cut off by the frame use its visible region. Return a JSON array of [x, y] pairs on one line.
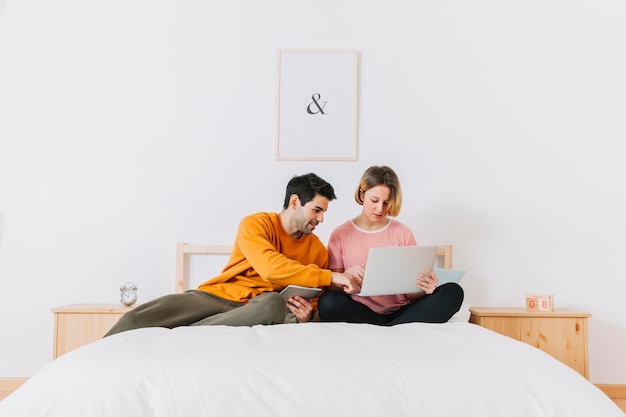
[[184, 250]]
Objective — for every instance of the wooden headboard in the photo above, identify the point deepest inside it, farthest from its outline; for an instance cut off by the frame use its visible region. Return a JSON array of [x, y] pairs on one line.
[[184, 250]]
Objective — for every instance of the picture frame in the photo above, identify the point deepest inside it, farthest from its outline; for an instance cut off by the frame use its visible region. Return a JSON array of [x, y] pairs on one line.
[[317, 104]]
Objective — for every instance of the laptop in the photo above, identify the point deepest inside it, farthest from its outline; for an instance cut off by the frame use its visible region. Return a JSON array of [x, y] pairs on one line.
[[393, 270]]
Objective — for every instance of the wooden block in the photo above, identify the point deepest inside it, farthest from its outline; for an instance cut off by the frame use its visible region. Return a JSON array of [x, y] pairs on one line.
[[539, 302]]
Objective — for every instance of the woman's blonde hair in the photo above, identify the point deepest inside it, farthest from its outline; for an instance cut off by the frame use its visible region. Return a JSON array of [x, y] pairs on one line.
[[381, 175]]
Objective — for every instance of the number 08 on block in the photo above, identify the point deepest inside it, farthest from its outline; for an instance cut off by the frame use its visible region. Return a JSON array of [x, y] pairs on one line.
[[539, 302]]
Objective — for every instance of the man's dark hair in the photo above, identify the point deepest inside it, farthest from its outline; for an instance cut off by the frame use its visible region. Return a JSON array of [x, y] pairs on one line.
[[306, 187]]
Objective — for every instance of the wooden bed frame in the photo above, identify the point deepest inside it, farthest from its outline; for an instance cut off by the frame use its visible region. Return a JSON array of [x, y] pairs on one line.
[[185, 250]]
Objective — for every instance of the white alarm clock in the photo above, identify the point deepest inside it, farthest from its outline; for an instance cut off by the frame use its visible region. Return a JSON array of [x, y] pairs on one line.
[[128, 294]]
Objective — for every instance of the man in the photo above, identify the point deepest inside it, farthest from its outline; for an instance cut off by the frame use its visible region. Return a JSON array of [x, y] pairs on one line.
[[271, 251]]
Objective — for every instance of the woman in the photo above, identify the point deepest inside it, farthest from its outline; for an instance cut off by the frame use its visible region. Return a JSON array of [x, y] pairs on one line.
[[380, 195]]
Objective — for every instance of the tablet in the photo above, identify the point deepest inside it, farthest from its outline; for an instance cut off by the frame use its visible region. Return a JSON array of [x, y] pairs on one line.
[[304, 292]]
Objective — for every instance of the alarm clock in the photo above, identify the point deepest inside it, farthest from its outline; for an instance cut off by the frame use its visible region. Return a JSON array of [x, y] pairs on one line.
[[128, 294]]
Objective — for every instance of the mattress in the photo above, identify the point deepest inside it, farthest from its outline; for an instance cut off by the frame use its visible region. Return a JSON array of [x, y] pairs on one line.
[[310, 369]]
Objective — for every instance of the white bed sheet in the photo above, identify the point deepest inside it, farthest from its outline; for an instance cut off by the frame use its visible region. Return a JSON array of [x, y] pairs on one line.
[[314, 369]]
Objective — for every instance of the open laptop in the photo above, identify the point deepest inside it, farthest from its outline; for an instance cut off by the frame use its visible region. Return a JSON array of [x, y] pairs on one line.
[[393, 270]]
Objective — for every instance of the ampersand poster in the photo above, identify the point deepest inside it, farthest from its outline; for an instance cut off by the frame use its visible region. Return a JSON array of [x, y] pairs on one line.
[[317, 105]]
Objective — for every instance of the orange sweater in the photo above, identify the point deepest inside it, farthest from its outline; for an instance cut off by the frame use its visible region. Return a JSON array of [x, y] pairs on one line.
[[265, 258]]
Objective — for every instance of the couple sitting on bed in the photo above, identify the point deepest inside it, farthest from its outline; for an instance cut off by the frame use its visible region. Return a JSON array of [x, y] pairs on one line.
[[273, 250]]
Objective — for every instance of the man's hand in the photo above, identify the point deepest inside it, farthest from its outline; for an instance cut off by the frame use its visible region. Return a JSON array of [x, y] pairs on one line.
[[346, 282], [301, 308]]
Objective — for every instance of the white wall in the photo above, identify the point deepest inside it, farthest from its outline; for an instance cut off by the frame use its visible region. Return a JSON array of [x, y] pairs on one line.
[[128, 125]]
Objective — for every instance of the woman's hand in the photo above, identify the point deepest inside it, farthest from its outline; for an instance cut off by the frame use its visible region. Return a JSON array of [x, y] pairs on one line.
[[356, 271], [427, 281], [346, 282], [349, 280], [301, 308]]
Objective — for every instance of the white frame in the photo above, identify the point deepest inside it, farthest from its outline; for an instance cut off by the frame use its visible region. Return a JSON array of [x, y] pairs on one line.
[[316, 104]]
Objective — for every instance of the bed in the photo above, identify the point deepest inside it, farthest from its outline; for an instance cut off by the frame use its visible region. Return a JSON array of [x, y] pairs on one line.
[[311, 369]]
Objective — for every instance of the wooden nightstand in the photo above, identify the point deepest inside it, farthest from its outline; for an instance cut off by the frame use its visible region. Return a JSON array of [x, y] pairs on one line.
[[562, 333], [78, 324]]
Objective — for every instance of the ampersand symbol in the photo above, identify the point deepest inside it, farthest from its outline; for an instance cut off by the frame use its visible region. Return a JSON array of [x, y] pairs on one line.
[[315, 98]]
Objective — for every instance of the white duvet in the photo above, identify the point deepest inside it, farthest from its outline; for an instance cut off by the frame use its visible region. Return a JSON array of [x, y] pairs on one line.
[[314, 369]]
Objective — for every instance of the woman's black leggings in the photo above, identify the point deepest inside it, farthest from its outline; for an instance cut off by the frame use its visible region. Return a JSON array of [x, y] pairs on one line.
[[437, 307]]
